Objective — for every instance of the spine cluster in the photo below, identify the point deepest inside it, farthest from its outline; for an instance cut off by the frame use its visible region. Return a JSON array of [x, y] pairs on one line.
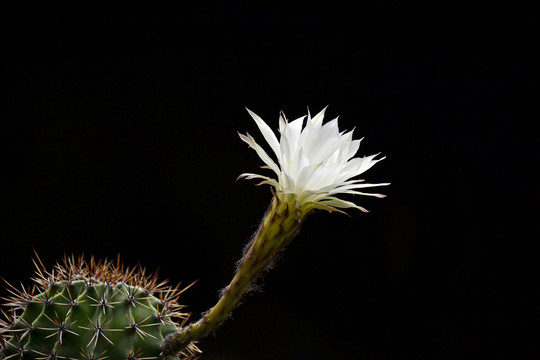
[[91, 310]]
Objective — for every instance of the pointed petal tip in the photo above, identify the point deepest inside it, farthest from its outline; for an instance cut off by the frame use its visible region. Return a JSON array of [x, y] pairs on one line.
[[246, 138], [252, 114]]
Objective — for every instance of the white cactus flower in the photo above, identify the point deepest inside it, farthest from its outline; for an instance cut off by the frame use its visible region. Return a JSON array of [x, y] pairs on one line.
[[315, 163]]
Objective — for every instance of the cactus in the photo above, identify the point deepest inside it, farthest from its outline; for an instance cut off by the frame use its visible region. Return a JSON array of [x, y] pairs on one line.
[[101, 310], [92, 310]]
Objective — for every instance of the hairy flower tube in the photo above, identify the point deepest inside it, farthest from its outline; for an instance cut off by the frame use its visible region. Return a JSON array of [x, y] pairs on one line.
[[315, 163]]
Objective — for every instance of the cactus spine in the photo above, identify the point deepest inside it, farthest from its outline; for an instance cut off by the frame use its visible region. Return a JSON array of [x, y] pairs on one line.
[[92, 310]]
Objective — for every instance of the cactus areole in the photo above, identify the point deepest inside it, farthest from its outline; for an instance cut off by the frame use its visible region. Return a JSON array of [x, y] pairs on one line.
[[92, 310]]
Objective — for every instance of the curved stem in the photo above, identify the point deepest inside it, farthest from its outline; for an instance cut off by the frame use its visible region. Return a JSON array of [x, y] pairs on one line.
[[279, 225]]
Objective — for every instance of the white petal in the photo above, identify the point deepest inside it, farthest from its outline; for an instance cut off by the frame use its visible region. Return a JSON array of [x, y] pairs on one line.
[[282, 121], [305, 176], [358, 186], [318, 119], [354, 192], [291, 134], [352, 149], [340, 203], [368, 162], [266, 179], [267, 132], [262, 154]]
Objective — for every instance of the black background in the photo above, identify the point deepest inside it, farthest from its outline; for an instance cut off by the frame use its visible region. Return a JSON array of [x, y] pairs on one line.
[[120, 129]]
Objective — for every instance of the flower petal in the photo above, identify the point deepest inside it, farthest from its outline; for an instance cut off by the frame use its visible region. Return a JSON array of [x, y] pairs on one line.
[[340, 203], [267, 132], [260, 151]]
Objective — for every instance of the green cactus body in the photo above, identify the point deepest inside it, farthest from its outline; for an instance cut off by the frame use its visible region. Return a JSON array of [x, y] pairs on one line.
[[103, 313]]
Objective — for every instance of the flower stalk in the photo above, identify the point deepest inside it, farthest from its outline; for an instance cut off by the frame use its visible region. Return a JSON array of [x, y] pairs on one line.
[[280, 224], [315, 164]]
